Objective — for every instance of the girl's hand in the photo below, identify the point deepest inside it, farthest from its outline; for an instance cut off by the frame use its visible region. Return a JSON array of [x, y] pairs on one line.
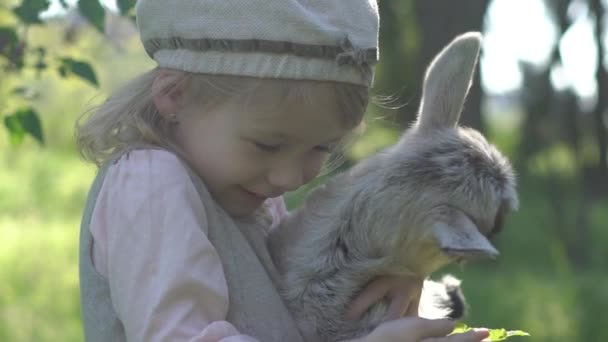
[[403, 292], [415, 329]]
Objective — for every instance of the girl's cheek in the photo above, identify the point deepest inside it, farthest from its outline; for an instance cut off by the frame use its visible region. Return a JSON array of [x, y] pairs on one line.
[[313, 167]]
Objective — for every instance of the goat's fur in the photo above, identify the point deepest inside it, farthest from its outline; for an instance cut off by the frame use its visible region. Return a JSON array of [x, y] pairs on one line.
[[433, 198]]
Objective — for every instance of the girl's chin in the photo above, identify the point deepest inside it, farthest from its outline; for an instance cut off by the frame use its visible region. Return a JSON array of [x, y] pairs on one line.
[[239, 204], [243, 211]]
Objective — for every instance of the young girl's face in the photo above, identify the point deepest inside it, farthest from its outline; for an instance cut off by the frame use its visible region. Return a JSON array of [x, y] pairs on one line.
[[246, 154]]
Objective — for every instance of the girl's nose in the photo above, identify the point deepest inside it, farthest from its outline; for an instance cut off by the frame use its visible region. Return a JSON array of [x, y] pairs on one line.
[[287, 176]]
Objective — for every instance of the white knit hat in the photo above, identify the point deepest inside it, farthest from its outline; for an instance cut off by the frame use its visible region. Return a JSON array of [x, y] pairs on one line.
[[326, 40]]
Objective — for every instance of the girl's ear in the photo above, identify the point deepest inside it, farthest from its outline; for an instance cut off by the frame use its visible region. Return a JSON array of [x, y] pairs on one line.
[[168, 92]]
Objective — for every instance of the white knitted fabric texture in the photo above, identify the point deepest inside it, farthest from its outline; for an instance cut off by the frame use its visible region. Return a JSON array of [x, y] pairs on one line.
[[307, 23]]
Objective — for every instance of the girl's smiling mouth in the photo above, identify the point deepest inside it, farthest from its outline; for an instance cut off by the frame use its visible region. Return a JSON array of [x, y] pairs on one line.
[[254, 195]]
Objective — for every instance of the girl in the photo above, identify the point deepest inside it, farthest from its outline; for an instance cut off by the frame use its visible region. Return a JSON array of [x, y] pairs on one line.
[[248, 102]]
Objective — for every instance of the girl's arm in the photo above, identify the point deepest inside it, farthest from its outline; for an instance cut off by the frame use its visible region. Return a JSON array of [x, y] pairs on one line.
[[415, 329], [150, 243]]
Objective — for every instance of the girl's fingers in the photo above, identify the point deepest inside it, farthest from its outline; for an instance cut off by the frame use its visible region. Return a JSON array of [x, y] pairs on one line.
[[412, 310], [405, 301], [400, 304], [471, 336], [427, 329], [401, 291], [411, 329], [372, 293]]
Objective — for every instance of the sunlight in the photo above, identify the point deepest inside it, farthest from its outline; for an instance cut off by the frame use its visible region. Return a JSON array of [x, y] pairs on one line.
[[522, 31], [579, 55], [516, 30], [56, 9]]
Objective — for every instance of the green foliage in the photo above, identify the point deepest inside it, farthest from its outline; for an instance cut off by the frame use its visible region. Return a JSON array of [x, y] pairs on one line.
[[495, 334], [18, 55], [125, 6], [81, 69], [376, 137], [94, 12], [29, 10], [11, 48], [42, 196], [22, 122], [8, 39]]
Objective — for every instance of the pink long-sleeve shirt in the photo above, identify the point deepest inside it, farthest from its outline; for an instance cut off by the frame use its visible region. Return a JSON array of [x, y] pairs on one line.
[[150, 243]]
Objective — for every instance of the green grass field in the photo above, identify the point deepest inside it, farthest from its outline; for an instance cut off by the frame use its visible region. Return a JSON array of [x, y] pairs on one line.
[[42, 195]]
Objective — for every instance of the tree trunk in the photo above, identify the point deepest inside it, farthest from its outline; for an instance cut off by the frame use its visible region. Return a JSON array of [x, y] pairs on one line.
[[602, 89]]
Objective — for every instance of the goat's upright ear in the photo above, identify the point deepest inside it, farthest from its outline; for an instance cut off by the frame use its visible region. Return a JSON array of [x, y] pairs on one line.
[[458, 237], [447, 82]]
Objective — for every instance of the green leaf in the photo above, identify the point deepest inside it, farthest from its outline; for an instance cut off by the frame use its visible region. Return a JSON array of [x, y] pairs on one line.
[[22, 122], [15, 129], [29, 10], [94, 12], [125, 5], [81, 69], [64, 4], [8, 38], [498, 335], [461, 328], [517, 333], [11, 47], [63, 72], [495, 334]]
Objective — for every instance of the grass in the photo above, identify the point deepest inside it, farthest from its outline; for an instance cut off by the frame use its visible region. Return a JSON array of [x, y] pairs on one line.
[[39, 298], [532, 287], [43, 194]]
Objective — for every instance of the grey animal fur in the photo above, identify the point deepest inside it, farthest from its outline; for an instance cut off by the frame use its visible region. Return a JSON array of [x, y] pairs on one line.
[[435, 197]]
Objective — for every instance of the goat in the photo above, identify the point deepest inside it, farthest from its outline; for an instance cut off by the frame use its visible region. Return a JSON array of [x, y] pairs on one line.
[[437, 196]]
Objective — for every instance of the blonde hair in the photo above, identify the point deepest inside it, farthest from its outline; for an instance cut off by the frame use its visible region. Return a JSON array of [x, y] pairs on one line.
[[129, 119]]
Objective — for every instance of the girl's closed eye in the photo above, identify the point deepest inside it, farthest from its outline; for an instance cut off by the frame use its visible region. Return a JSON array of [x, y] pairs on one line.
[[270, 148], [277, 147], [325, 148]]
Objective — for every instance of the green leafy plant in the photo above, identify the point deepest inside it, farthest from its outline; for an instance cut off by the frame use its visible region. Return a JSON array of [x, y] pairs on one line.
[[495, 334], [81, 69], [22, 122], [18, 55]]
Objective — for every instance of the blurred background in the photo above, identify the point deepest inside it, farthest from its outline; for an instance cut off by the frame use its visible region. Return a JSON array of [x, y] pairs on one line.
[[540, 95]]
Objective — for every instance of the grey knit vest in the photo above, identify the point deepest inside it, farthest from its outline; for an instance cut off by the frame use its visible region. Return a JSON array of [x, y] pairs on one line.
[[256, 308]]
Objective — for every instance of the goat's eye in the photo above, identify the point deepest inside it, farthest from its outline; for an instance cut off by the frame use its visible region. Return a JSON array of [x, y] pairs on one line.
[[498, 222]]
